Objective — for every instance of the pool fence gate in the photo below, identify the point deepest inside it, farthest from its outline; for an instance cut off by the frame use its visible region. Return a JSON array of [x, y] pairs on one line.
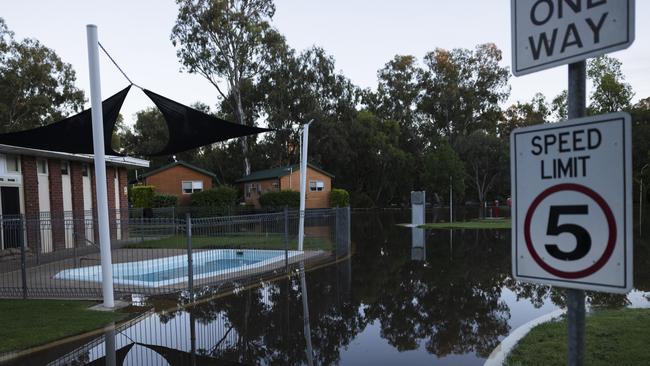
[[191, 253]]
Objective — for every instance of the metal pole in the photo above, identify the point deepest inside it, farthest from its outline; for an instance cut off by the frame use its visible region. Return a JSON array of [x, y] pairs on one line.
[[109, 345], [451, 201], [577, 102], [23, 257], [305, 316], [190, 261], [100, 166], [303, 184], [641, 201], [286, 238]]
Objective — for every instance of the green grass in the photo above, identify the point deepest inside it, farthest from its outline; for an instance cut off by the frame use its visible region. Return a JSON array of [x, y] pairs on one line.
[[474, 224], [613, 337], [270, 241], [29, 323]]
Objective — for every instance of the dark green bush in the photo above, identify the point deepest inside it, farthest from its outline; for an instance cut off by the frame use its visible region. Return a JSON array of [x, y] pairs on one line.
[[223, 196], [339, 198], [280, 199], [362, 200], [142, 196], [164, 200]]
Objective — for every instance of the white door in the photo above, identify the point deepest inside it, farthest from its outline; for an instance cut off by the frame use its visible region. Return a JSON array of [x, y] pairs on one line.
[[66, 185], [116, 190], [44, 205]]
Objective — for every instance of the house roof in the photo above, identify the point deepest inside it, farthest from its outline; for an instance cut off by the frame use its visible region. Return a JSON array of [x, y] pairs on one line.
[[177, 163], [125, 161], [278, 172]]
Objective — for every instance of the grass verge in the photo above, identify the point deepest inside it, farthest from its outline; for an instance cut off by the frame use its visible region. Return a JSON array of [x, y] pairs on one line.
[[613, 337], [474, 224], [270, 241], [29, 323]]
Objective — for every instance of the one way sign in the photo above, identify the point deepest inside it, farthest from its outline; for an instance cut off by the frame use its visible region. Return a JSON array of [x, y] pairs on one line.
[[549, 33]]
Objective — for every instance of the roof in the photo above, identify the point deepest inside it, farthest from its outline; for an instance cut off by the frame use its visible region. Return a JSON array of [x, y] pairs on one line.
[[178, 163], [278, 172], [125, 161]]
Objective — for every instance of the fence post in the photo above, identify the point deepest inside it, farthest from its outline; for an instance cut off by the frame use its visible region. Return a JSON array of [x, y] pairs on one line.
[[190, 268], [23, 258], [286, 238]]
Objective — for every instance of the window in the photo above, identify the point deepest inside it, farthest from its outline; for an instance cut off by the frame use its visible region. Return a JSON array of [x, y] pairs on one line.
[[191, 186], [41, 166], [276, 186], [84, 169], [316, 185], [65, 168], [13, 164]]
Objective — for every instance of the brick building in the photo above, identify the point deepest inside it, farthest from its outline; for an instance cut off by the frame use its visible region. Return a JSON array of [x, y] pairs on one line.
[[48, 198], [180, 179], [319, 184]]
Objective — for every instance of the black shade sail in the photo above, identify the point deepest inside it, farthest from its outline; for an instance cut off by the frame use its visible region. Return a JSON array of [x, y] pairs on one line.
[[73, 134], [190, 128]]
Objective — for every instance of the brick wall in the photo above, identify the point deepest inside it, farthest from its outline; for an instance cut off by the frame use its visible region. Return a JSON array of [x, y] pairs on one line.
[[110, 191], [317, 199], [76, 182], [169, 181], [32, 209], [56, 204]]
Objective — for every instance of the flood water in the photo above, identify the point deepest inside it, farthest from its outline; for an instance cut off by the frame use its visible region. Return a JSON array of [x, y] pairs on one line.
[[394, 302]]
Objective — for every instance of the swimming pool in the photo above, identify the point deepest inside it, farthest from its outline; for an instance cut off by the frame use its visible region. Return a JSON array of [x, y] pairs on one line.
[[172, 270]]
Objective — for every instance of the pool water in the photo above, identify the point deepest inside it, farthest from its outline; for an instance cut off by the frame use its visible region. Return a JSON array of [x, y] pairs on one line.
[[207, 267], [173, 270]]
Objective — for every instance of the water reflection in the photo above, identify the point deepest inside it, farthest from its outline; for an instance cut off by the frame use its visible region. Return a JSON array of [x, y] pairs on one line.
[[393, 310]]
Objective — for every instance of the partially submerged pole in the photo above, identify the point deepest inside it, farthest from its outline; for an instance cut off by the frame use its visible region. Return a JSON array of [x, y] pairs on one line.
[[100, 166], [303, 184]]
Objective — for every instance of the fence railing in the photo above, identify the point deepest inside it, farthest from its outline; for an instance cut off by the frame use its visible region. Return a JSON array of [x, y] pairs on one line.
[[59, 257]]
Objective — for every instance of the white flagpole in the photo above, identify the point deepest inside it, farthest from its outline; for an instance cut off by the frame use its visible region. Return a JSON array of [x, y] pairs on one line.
[[100, 166], [303, 184]]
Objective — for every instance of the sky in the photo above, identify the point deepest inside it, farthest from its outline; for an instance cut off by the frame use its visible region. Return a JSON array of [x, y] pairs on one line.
[[362, 35]]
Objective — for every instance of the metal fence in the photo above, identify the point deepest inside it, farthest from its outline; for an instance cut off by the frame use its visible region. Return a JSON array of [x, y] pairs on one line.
[[59, 257]]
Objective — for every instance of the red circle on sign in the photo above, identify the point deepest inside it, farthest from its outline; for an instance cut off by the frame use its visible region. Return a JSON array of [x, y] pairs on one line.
[[611, 223]]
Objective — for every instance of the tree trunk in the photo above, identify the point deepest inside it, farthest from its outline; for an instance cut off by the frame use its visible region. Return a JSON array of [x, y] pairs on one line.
[[239, 114]]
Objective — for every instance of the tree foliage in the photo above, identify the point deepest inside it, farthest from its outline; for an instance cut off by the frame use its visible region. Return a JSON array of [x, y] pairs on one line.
[[36, 86]]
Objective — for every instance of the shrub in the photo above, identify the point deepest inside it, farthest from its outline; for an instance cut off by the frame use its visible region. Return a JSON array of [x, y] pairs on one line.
[[362, 200], [280, 199], [339, 198], [223, 196], [164, 200], [142, 196]]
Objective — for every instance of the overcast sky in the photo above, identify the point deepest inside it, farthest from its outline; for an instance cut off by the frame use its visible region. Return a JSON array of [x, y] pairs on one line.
[[362, 35]]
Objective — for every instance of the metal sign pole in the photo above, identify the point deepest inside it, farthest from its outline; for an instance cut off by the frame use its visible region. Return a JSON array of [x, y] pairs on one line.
[[100, 166], [576, 103], [303, 184]]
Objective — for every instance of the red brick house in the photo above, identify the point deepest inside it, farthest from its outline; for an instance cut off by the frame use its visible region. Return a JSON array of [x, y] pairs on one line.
[[54, 195], [319, 184], [180, 179]]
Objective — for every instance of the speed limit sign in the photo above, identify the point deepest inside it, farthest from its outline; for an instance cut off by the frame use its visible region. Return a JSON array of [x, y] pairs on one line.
[[572, 203]]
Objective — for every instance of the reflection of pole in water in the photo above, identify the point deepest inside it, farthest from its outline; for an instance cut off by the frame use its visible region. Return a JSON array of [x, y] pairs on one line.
[[305, 312], [418, 249], [193, 338], [451, 244], [109, 345]]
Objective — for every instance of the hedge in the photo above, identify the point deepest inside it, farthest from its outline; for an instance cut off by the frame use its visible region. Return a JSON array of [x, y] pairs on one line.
[[223, 196], [142, 196], [339, 198], [164, 200], [280, 199]]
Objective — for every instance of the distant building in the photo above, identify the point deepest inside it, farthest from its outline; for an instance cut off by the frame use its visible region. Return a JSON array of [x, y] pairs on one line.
[[319, 184], [48, 198], [180, 179]]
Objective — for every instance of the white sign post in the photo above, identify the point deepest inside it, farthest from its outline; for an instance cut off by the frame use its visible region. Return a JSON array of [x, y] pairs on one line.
[[549, 33], [572, 203]]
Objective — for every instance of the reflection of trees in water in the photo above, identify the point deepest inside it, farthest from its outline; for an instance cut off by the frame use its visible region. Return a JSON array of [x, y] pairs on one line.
[[452, 304]]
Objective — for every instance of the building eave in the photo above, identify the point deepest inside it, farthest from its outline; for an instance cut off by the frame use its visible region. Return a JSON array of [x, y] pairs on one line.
[[125, 161]]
